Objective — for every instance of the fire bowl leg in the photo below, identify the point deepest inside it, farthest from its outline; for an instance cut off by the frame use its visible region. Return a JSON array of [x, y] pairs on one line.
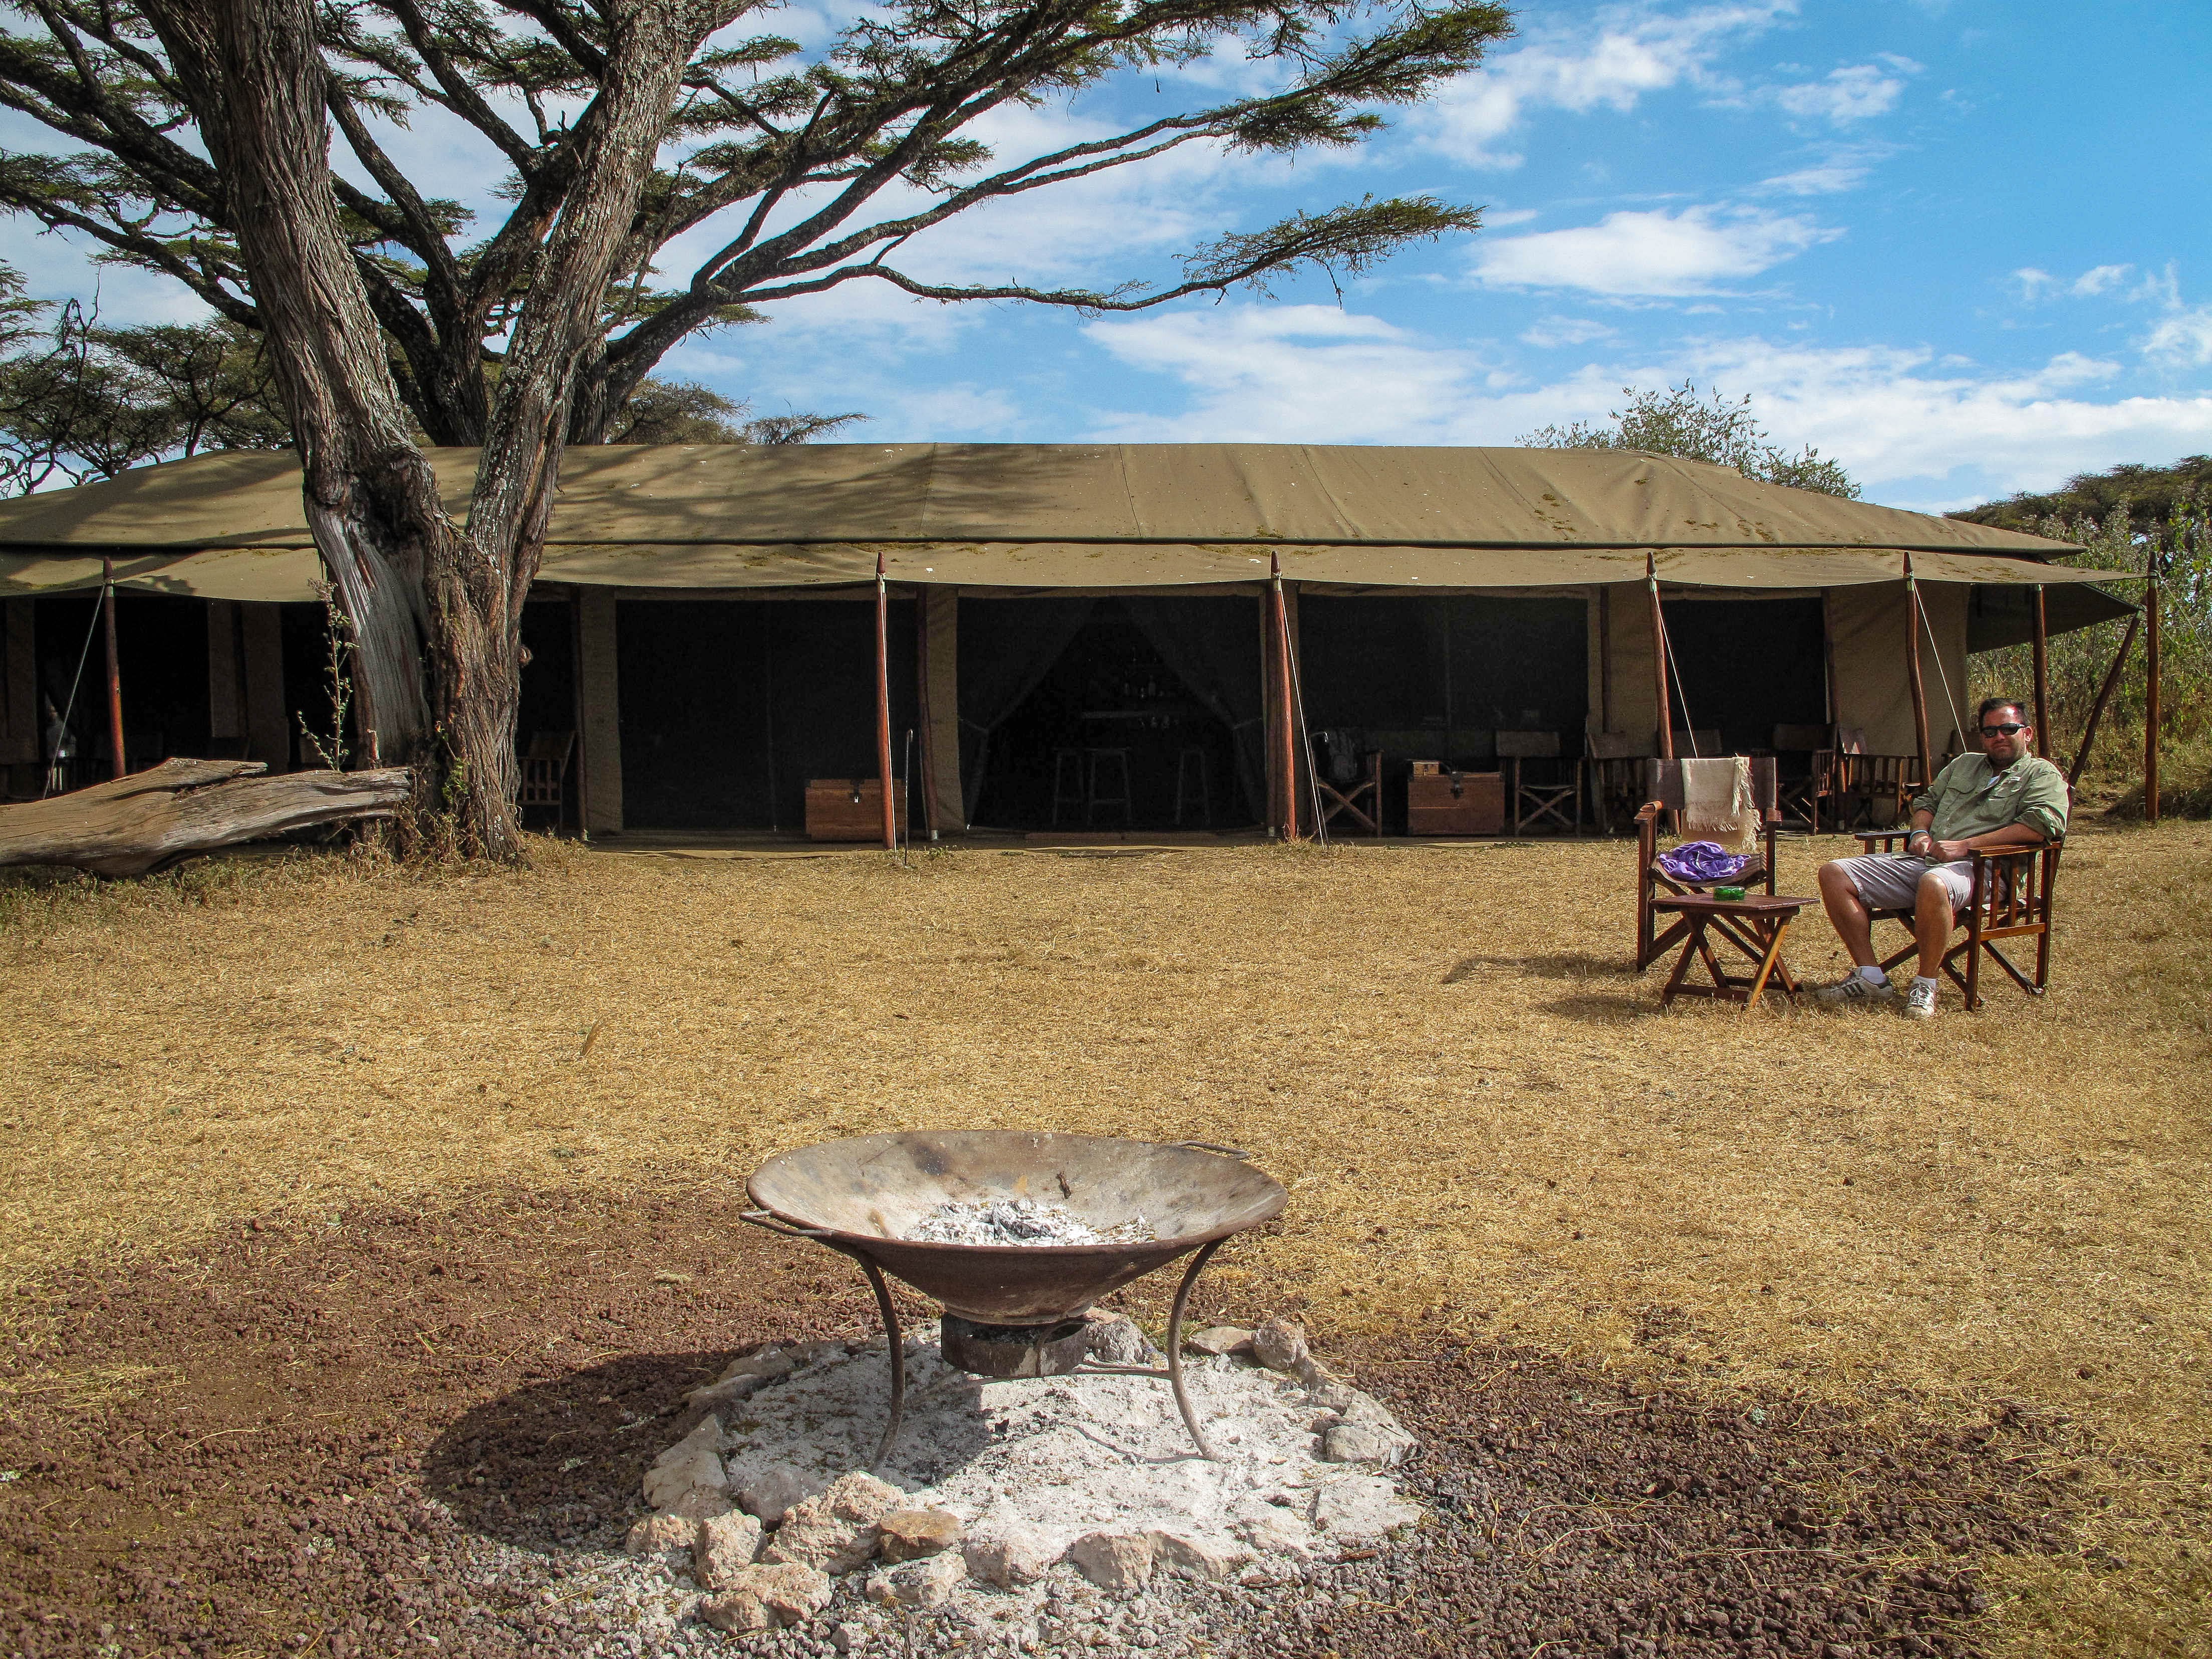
[[1175, 1345], [896, 1339]]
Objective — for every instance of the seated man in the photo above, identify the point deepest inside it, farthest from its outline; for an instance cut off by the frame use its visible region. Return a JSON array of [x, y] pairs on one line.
[[2002, 796]]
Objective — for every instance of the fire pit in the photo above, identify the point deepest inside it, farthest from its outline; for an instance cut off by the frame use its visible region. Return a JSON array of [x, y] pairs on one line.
[[909, 1205]]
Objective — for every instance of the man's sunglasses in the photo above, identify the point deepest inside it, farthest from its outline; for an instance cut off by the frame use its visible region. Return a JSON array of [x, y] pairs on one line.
[[2001, 731]]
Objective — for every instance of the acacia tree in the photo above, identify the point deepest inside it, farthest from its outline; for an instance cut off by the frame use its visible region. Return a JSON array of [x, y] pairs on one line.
[[1678, 422], [197, 139]]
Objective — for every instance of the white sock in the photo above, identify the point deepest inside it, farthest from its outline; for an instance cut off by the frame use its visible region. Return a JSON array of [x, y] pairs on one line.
[[1874, 976], [1922, 979]]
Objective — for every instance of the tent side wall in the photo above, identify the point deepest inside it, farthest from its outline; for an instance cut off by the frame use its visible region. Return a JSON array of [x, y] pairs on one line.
[[1874, 691]]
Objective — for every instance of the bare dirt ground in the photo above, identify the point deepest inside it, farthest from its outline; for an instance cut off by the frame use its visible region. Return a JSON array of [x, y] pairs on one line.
[[1931, 1299]]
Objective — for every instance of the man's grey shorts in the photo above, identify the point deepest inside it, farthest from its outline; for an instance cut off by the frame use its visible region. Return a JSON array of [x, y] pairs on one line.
[[1891, 881]]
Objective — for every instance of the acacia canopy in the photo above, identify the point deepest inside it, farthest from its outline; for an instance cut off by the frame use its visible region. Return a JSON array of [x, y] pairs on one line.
[[798, 170]]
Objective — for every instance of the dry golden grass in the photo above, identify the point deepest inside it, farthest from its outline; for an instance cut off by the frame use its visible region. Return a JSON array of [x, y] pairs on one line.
[[1482, 1118]]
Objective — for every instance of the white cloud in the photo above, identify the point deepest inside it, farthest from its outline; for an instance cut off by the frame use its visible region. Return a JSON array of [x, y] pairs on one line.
[[1655, 253], [1844, 168], [1858, 92], [1632, 53], [2182, 339], [2099, 279], [1551, 332], [2036, 284], [1915, 429]]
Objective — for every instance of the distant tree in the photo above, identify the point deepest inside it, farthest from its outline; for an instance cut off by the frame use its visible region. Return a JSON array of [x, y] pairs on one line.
[[680, 412], [79, 401], [1678, 422], [193, 138], [2147, 496]]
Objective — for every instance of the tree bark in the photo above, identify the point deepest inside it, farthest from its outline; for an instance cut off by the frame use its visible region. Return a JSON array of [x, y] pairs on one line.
[[436, 609], [127, 826]]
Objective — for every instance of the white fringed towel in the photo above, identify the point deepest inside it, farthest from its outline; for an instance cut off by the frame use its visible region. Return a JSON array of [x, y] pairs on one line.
[[1716, 803]]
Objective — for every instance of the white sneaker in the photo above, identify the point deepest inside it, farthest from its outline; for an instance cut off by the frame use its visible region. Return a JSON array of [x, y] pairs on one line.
[[1857, 991], [1920, 1000]]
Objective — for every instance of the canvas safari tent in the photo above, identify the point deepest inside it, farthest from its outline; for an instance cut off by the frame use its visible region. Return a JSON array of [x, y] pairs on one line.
[[695, 619]]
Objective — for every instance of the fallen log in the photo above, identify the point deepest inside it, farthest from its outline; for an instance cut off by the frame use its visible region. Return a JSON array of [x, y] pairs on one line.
[[128, 825]]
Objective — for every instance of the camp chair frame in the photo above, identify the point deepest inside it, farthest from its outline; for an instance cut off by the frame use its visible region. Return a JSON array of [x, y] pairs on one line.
[[2010, 899], [1663, 790], [1530, 801], [544, 768], [1360, 801], [1614, 763], [1810, 775]]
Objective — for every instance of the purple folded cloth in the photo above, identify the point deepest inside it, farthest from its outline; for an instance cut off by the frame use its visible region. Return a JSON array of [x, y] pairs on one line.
[[1704, 861]]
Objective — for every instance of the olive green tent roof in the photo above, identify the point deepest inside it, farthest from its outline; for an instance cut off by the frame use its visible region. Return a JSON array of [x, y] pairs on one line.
[[1037, 515]]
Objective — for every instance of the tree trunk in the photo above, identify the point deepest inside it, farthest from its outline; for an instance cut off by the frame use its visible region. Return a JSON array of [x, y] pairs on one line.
[[436, 610], [127, 826]]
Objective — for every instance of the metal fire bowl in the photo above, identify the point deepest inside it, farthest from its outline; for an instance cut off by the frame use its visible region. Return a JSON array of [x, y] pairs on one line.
[[859, 1195]]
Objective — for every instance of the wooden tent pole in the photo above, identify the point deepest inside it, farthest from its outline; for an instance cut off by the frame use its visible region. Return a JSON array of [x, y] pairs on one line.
[[1659, 659], [1912, 670], [114, 669], [884, 705], [2104, 694], [1282, 619], [2042, 673], [1605, 658], [2151, 610]]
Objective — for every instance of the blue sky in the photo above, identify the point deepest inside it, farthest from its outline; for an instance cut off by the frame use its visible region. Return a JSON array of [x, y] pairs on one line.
[[1960, 245]]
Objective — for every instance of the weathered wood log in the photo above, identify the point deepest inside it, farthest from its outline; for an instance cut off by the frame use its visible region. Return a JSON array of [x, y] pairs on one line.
[[126, 826]]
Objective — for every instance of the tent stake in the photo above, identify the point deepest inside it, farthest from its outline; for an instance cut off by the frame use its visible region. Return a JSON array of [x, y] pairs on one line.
[[884, 705], [1912, 671], [2151, 610], [1283, 694], [2103, 694], [114, 669]]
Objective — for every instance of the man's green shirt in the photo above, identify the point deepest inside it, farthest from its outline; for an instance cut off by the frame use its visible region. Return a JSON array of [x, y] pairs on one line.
[[1970, 798]]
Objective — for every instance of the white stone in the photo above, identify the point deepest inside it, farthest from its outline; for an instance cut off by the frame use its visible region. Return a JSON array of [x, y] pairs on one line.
[[1323, 1387], [1222, 1338], [661, 1535], [764, 1597], [1007, 1555], [726, 1544], [1361, 1508], [811, 1536], [863, 1500], [927, 1582], [1197, 1555], [1115, 1340], [1113, 1559], [691, 1465], [1356, 1442], [768, 1494], [1280, 1345], [1273, 1531]]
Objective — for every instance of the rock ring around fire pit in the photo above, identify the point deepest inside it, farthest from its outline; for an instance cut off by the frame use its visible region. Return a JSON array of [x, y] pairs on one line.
[[1138, 1205]]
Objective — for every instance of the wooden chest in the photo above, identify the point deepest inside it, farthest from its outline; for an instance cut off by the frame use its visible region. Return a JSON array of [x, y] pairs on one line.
[[851, 809], [1455, 804]]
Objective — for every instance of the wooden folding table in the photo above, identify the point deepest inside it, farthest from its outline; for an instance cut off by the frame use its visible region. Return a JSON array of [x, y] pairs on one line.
[[1753, 925]]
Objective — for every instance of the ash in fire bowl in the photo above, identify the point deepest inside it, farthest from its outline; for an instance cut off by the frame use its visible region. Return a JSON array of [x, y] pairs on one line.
[[1037, 1515], [1021, 1221]]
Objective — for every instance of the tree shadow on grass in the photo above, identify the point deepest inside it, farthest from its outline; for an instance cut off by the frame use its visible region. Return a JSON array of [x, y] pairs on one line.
[[1562, 964]]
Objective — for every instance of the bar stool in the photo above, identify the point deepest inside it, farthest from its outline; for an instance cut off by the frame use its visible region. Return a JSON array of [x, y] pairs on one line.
[[1067, 790], [1190, 761], [1101, 759]]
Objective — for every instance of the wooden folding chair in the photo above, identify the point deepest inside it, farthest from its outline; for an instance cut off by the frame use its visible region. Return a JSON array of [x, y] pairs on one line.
[[1700, 745], [2010, 899], [1554, 794], [1615, 772], [1360, 801], [1868, 782], [545, 774], [1663, 792], [1805, 771]]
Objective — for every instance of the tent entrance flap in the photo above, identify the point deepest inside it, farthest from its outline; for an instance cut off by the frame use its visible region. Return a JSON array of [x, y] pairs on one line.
[[1437, 678], [1748, 666], [728, 707], [1147, 705]]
